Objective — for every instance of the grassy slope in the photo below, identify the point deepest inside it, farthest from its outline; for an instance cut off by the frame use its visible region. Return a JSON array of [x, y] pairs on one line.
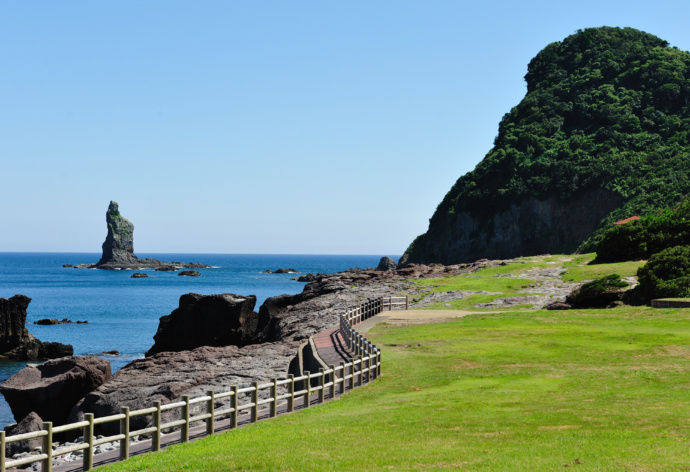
[[495, 279], [528, 391]]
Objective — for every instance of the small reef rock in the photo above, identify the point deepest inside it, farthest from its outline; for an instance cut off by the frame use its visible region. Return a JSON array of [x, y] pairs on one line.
[[139, 275], [53, 388], [307, 278], [166, 268], [118, 248], [209, 320], [189, 273], [29, 424], [386, 264], [55, 321], [281, 271], [15, 340]]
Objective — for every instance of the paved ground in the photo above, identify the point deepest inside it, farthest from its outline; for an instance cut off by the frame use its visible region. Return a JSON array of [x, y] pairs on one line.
[[408, 317]]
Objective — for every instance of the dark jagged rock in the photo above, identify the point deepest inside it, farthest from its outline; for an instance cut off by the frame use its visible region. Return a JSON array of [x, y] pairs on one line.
[[559, 306], [166, 268], [281, 271], [190, 273], [53, 388], [308, 278], [139, 275], [15, 340], [209, 320], [55, 321], [114, 352], [386, 264], [67, 265], [29, 424], [118, 248]]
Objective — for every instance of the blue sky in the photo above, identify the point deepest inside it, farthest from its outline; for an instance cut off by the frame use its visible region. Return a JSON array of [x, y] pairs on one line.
[[263, 127]]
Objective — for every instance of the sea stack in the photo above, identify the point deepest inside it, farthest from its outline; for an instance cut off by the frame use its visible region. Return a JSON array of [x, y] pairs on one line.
[[118, 247]]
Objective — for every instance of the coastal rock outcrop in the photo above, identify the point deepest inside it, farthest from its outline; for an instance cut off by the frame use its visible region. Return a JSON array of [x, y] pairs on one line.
[[29, 424], [209, 320], [53, 388], [386, 264], [15, 340], [189, 273]]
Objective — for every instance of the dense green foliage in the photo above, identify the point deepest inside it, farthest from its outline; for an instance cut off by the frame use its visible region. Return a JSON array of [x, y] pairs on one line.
[[666, 274], [598, 293], [650, 234], [605, 108]]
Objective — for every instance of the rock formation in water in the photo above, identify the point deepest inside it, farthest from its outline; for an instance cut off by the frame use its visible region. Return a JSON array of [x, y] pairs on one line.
[[118, 248], [15, 340], [596, 139], [53, 388], [209, 320]]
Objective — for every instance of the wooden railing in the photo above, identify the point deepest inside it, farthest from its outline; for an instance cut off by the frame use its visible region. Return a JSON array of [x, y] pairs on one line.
[[239, 405]]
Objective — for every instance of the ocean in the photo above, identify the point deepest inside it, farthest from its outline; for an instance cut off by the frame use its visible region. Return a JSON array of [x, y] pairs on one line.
[[122, 312]]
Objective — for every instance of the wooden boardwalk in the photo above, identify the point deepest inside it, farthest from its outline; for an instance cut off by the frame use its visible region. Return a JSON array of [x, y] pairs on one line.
[[332, 349]]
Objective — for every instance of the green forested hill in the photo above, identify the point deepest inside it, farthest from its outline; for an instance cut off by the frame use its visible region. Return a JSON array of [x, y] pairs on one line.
[[601, 135]]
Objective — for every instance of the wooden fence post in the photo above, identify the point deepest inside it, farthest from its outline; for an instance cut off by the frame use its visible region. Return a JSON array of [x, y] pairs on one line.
[[255, 400], [342, 377], [361, 370], [352, 371], [184, 431], [333, 377], [274, 403], [124, 429], [407, 302], [235, 403], [307, 395], [47, 463], [88, 439], [156, 439], [378, 363], [2, 450], [291, 390], [211, 410], [322, 392]]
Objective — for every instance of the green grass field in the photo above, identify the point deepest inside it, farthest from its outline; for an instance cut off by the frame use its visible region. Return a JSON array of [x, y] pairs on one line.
[[596, 390]]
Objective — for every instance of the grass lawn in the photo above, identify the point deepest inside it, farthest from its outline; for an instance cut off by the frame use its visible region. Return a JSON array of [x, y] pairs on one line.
[[596, 390], [581, 273]]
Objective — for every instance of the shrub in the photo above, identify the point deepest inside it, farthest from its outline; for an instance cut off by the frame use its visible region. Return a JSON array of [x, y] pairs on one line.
[[597, 293], [666, 274]]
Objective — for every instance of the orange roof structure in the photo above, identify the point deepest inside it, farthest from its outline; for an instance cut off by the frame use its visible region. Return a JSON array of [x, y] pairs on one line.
[[632, 218]]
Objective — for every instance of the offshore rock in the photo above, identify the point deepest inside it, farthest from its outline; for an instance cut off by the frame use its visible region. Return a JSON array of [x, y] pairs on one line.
[[118, 248], [209, 320], [15, 340], [53, 388], [190, 273]]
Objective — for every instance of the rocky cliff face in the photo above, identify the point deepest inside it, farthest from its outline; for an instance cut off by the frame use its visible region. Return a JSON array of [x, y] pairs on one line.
[[527, 228], [118, 246], [15, 340]]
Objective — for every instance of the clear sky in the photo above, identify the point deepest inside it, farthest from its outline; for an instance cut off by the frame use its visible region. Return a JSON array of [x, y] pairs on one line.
[[303, 127]]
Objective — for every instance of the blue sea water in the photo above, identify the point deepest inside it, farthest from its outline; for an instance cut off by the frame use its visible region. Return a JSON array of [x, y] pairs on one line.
[[122, 312]]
